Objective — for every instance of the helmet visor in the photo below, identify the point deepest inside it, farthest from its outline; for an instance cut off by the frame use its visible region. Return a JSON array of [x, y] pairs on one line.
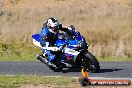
[[54, 29]]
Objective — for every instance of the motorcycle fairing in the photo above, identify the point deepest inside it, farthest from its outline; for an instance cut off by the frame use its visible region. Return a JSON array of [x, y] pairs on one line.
[[36, 39], [68, 50]]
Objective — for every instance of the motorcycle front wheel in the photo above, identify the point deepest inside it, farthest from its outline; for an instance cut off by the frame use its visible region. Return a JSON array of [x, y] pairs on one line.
[[90, 63]]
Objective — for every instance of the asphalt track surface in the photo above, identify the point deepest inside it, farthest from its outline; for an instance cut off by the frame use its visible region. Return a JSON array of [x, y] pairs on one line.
[[108, 70]]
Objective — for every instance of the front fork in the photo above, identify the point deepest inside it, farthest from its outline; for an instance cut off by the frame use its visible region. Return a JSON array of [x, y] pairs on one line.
[[83, 62]]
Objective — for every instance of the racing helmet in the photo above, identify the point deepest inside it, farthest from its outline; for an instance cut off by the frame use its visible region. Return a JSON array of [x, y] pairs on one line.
[[53, 25]]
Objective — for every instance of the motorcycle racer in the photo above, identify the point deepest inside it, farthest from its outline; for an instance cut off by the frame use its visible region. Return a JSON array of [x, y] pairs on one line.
[[49, 35]]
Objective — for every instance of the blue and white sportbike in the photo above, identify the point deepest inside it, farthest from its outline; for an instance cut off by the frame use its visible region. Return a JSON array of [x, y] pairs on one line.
[[74, 51]]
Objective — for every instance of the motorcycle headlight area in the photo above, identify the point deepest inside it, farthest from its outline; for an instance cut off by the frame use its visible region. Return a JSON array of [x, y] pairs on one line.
[[82, 44]]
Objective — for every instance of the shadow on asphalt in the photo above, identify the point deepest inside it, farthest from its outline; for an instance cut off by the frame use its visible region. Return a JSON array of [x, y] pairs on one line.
[[72, 70], [109, 70], [100, 71]]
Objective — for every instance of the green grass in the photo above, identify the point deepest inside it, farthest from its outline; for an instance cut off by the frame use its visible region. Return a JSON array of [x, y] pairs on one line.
[[17, 81], [27, 52], [33, 58], [43, 82], [114, 59], [18, 58], [18, 52]]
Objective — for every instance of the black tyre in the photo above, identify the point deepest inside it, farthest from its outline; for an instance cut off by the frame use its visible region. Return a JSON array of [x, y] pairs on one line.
[[90, 63], [83, 81]]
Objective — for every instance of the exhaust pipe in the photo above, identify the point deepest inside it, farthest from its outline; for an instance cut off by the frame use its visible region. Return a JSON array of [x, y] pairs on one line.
[[44, 60]]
